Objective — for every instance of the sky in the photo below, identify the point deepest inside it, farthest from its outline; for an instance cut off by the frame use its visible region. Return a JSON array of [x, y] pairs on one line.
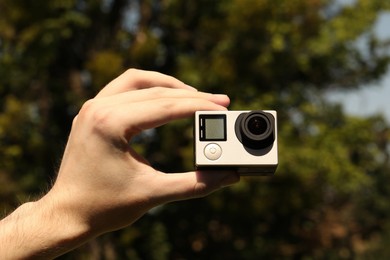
[[371, 99]]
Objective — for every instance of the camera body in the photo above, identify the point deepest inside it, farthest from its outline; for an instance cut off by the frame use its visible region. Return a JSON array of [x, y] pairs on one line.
[[245, 141]]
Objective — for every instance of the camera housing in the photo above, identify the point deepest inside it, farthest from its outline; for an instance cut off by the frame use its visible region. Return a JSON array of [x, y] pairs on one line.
[[245, 141]]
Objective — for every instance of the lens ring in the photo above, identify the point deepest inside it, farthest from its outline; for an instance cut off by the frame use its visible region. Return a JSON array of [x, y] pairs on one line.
[[255, 129]]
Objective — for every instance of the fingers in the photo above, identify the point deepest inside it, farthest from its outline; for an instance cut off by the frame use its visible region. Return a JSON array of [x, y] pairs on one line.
[[151, 113], [161, 92], [159, 99], [134, 79], [173, 187], [129, 113]]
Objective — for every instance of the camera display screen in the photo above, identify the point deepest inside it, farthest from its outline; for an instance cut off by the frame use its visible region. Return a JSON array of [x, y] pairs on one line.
[[212, 127]]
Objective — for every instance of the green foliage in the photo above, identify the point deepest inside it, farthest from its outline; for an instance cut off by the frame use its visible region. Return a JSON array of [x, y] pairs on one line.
[[105, 65], [329, 197]]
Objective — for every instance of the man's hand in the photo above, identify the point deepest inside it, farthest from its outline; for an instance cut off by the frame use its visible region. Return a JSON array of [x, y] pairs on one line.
[[112, 185], [103, 184]]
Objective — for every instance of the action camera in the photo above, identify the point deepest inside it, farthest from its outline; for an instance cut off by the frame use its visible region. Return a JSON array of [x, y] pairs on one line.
[[244, 141]]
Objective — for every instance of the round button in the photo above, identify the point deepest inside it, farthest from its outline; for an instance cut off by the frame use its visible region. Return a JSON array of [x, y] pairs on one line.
[[212, 151]]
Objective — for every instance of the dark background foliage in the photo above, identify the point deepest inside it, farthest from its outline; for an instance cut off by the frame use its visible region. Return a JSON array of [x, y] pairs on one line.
[[329, 197]]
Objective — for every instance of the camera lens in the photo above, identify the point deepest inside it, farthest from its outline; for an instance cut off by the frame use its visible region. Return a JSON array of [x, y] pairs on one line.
[[257, 125], [255, 129]]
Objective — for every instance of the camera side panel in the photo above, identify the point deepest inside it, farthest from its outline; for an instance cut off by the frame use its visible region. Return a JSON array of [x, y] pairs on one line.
[[223, 150]]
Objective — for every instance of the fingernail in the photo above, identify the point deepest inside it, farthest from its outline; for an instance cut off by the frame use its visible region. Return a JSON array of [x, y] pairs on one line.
[[222, 99]]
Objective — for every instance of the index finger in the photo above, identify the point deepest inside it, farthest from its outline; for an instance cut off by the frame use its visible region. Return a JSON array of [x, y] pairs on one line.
[[134, 79], [130, 119]]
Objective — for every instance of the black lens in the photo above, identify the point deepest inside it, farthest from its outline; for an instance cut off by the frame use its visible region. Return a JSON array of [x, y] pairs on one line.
[[255, 129], [257, 125]]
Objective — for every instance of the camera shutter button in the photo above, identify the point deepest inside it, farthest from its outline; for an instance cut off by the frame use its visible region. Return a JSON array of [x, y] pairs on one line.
[[212, 151]]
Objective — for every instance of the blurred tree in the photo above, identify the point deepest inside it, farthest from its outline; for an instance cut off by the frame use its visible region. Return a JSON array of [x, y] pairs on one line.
[[329, 196]]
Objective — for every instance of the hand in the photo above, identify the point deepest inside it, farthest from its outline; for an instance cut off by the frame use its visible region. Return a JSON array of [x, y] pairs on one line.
[[105, 183]]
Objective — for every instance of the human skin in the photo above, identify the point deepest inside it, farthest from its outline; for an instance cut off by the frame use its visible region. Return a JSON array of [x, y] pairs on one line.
[[103, 184]]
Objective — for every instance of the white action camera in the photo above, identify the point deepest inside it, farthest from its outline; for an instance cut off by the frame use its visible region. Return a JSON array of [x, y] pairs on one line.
[[245, 141]]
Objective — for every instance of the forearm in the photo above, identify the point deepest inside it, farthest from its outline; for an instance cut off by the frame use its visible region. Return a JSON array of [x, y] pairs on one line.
[[44, 228]]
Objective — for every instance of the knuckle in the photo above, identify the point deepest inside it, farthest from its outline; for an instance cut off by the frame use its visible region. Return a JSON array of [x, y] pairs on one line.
[[74, 121], [167, 104], [87, 106], [97, 116], [158, 91], [133, 74], [132, 71]]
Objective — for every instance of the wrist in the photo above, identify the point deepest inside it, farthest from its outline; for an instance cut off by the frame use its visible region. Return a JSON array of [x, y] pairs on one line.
[[66, 227], [45, 228]]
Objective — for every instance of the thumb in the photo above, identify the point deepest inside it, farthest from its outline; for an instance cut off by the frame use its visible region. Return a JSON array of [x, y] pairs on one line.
[[196, 184]]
